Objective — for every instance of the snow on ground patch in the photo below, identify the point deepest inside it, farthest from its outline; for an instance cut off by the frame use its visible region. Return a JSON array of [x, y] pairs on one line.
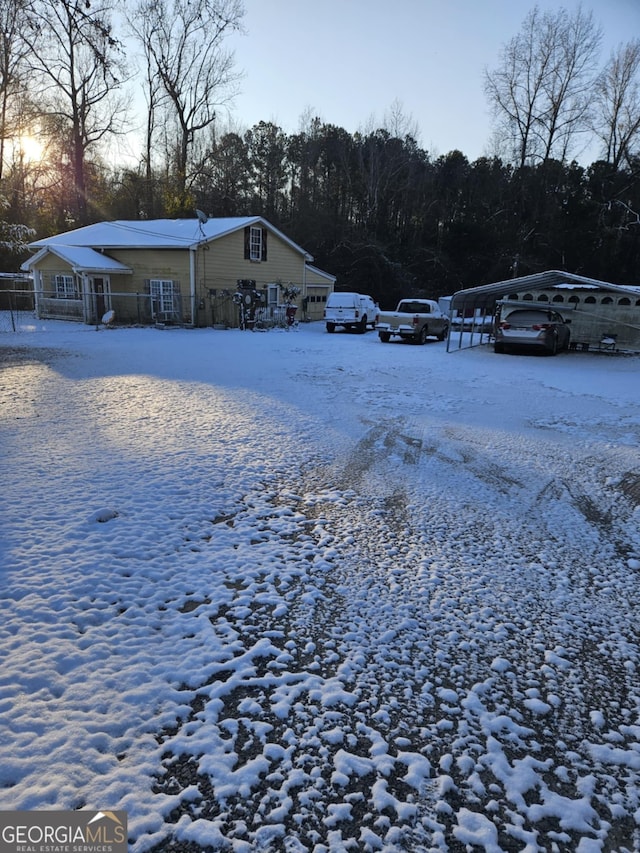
[[259, 614]]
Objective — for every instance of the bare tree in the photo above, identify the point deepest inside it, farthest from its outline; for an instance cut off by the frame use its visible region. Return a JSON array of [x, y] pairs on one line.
[[183, 43], [13, 53], [399, 124], [76, 62], [617, 104], [142, 25], [540, 91]]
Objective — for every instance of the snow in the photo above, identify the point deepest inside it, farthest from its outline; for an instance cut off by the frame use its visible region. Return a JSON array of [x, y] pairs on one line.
[[309, 592], [151, 233]]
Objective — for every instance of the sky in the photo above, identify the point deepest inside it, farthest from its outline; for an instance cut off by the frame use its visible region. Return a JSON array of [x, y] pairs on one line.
[[350, 61], [268, 591]]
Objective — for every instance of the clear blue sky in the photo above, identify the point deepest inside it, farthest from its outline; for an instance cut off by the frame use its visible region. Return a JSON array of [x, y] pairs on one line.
[[349, 61]]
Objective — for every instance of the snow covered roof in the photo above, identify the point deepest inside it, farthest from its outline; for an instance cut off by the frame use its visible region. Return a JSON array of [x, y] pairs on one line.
[[80, 259], [486, 295], [158, 234]]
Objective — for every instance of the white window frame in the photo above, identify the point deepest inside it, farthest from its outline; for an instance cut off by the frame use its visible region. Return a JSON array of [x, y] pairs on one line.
[[255, 244], [65, 286], [273, 295], [162, 295]]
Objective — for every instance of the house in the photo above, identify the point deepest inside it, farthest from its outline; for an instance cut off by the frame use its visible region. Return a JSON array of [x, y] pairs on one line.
[[195, 272], [602, 315]]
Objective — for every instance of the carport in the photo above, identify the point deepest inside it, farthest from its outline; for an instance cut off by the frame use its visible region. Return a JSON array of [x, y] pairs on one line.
[[603, 316]]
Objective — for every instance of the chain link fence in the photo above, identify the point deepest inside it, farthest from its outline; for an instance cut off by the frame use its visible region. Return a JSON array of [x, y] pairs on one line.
[[17, 310], [226, 309]]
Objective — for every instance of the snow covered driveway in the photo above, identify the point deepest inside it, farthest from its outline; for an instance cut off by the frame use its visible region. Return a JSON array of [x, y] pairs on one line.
[[291, 591]]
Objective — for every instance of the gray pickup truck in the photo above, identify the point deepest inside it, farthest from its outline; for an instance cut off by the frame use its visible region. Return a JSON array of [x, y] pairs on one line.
[[413, 320]]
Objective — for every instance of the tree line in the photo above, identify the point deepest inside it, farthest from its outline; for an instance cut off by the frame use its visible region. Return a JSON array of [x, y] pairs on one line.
[[372, 206]]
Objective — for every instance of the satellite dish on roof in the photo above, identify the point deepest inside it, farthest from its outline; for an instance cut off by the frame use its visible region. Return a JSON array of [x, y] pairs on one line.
[[202, 217]]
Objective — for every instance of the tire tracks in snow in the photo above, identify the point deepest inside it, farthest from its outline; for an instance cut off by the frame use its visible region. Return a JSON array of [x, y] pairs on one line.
[[432, 651], [583, 657]]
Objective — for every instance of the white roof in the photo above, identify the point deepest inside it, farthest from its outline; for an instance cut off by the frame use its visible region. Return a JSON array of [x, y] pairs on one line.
[[80, 259], [158, 234], [487, 294]]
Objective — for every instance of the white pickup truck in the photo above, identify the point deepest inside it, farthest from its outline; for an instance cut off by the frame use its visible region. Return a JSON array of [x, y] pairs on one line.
[[413, 320]]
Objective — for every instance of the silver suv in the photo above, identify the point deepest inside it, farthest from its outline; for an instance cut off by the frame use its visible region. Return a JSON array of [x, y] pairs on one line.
[[539, 328]]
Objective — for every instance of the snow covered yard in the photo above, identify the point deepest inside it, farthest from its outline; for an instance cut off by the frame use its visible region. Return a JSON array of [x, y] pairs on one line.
[[292, 591]]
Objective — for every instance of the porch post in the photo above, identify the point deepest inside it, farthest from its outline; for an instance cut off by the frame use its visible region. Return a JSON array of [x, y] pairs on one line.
[[86, 298]]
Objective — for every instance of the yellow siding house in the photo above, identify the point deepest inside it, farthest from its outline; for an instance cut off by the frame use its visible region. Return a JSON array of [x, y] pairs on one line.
[[224, 272]]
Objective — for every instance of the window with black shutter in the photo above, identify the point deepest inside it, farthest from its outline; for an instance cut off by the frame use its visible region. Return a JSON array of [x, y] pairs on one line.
[[255, 243]]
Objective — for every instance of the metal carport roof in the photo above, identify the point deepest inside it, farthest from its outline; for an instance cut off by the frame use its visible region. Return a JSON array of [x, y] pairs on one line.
[[485, 296], [479, 303]]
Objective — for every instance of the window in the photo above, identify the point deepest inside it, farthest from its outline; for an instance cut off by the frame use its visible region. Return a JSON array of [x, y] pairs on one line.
[[607, 300], [558, 298], [255, 243], [273, 292], [624, 301], [590, 300], [415, 308], [164, 293], [65, 287], [575, 299], [543, 297]]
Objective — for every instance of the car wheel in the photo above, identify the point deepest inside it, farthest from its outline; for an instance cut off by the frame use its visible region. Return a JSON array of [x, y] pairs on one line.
[[331, 327], [362, 327], [553, 349], [421, 338], [443, 334], [385, 337], [498, 348]]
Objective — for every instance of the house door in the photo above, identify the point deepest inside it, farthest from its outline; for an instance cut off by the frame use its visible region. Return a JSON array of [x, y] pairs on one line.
[[101, 301]]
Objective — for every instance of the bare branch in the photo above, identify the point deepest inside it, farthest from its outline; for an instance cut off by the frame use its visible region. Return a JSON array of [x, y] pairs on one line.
[[540, 91]]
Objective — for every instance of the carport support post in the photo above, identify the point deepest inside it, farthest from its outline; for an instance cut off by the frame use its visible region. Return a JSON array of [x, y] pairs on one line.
[[484, 325], [461, 310]]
